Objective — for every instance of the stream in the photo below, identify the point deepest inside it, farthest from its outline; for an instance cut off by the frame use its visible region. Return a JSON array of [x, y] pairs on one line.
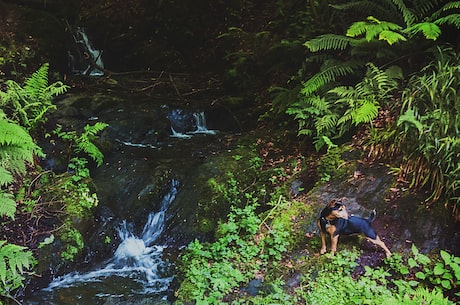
[[154, 150], [147, 188]]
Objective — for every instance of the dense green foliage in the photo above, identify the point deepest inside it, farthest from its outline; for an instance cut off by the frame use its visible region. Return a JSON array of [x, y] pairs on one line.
[[364, 74], [250, 247], [348, 81], [244, 247], [428, 131], [27, 104], [22, 109], [16, 149], [14, 262], [376, 60], [320, 110]]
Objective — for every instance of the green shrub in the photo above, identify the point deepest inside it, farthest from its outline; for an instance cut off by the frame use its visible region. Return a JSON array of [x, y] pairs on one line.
[[15, 261]]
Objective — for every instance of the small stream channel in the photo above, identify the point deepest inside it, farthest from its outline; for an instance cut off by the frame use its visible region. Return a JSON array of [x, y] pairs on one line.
[[147, 189]]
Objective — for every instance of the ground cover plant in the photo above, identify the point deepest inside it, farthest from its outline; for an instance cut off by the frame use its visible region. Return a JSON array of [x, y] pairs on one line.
[[29, 192]]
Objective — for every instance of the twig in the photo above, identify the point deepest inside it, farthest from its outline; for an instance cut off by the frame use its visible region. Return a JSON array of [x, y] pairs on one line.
[[174, 85], [271, 211]]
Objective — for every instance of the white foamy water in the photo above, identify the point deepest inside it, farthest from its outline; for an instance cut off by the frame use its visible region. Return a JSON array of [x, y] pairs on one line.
[[199, 121], [135, 268]]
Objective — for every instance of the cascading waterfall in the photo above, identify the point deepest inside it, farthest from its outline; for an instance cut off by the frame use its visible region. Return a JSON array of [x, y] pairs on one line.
[[85, 46], [136, 267], [185, 123], [200, 122]]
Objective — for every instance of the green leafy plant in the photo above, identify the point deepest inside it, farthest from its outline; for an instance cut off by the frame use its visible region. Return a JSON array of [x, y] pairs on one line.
[[446, 272], [427, 129], [84, 142], [318, 112], [241, 249], [15, 261], [79, 198], [16, 150], [22, 107], [405, 19], [28, 104], [73, 242], [341, 108]]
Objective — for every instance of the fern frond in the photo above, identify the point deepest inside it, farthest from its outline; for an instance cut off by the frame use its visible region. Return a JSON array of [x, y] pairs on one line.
[[85, 144], [391, 37], [328, 42], [14, 260], [5, 176], [373, 28], [13, 134], [328, 75], [13, 163], [343, 91], [29, 104], [377, 82], [318, 103], [96, 128], [57, 88], [36, 84], [429, 29], [423, 7], [345, 119], [7, 206], [326, 123], [453, 5], [408, 16], [92, 150], [305, 132], [16, 147], [453, 19], [367, 112]]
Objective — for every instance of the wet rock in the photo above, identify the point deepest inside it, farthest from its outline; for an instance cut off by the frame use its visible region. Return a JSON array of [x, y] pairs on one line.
[[294, 280], [296, 188], [253, 287]]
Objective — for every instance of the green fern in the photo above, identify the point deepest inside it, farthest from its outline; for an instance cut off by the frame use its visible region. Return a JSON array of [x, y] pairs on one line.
[[328, 42], [450, 6], [7, 204], [29, 104], [5, 176], [453, 19], [85, 142], [16, 147], [15, 261], [424, 7], [330, 72], [429, 29], [326, 123], [361, 102], [35, 86], [366, 112], [407, 14], [372, 28]]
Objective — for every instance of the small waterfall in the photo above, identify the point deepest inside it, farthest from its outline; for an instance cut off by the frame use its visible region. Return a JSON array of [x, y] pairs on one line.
[[79, 64], [185, 123], [136, 267], [200, 122]]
